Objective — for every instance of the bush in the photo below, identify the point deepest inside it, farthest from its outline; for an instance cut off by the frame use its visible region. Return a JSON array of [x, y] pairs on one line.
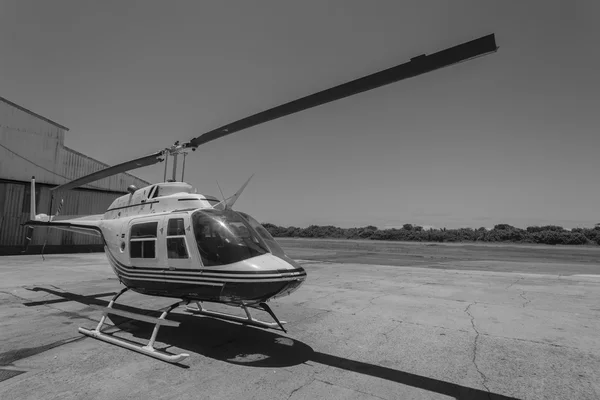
[[549, 234]]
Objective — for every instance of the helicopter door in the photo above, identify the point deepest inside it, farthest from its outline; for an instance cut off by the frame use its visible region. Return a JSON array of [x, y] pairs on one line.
[[177, 242], [145, 249]]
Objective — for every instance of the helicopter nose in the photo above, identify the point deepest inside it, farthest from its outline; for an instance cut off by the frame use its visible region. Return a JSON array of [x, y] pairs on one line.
[[290, 269], [288, 264], [280, 276]]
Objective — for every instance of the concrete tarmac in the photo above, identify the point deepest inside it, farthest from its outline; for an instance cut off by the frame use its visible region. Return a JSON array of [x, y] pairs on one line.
[[355, 331]]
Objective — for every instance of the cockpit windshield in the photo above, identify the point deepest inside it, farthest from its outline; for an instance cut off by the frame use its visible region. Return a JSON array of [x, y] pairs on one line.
[[224, 237]]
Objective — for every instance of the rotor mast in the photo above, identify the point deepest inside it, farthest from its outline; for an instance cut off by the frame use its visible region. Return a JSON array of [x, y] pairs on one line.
[[174, 167], [175, 150]]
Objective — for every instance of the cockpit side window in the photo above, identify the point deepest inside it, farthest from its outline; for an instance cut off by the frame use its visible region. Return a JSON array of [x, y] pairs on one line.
[[223, 237], [175, 227], [265, 235], [176, 243]]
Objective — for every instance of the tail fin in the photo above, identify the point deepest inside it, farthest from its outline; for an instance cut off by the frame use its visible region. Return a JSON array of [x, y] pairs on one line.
[[32, 217], [28, 236], [29, 232], [228, 203], [32, 200]]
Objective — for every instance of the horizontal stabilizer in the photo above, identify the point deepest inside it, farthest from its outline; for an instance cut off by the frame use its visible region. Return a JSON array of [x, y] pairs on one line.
[[88, 225]]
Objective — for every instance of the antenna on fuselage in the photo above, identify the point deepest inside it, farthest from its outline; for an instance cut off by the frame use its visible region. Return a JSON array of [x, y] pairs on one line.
[[222, 195], [229, 202]]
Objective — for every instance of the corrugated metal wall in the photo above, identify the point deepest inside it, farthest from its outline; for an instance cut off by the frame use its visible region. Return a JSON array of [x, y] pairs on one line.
[[26, 154], [14, 211], [73, 165], [11, 200], [14, 118]]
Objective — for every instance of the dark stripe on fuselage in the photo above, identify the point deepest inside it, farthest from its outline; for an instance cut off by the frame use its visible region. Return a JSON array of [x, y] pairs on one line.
[[167, 275], [229, 292], [221, 289], [164, 273], [215, 271], [223, 272]]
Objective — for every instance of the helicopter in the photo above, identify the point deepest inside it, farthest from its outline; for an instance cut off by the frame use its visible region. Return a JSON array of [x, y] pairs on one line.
[[168, 240]]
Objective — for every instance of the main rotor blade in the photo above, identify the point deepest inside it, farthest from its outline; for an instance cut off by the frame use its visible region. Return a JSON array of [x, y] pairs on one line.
[[116, 169], [416, 66]]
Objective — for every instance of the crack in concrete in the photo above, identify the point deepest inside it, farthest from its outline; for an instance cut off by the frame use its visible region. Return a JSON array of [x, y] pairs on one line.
[[15, 296], [317, 298], [474, 360], [426, 297], [300, 387], [370, 303], [427, 325], [515, 282], [345, 387], [418, 286], [522, 295], [484, 334], [309, 317], [385, 334]]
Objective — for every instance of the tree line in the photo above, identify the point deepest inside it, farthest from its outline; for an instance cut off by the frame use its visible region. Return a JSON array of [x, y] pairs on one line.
[[548, 234]]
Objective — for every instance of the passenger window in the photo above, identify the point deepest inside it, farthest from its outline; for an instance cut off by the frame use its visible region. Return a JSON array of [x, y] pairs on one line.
[[142, 249], [145, 230], [176, 247], [142, 240]]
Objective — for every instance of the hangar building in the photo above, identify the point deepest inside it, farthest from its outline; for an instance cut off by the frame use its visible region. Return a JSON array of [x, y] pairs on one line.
[[31, 145]]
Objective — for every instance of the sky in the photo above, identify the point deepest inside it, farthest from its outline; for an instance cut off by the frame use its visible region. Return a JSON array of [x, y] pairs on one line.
[[511, 137]]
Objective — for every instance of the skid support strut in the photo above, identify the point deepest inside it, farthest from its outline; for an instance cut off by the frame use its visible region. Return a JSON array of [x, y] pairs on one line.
[[149, 349], [249, 320]]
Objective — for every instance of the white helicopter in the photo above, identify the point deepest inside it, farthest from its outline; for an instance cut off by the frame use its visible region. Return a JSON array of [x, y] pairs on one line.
[[167, 240]]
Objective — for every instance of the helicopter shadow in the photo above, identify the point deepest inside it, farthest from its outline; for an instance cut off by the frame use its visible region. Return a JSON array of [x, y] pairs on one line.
[[249, 346]]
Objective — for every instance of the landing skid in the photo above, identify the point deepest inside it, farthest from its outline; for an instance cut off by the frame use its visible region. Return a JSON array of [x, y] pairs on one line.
[[249, 320], [149, 349]]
